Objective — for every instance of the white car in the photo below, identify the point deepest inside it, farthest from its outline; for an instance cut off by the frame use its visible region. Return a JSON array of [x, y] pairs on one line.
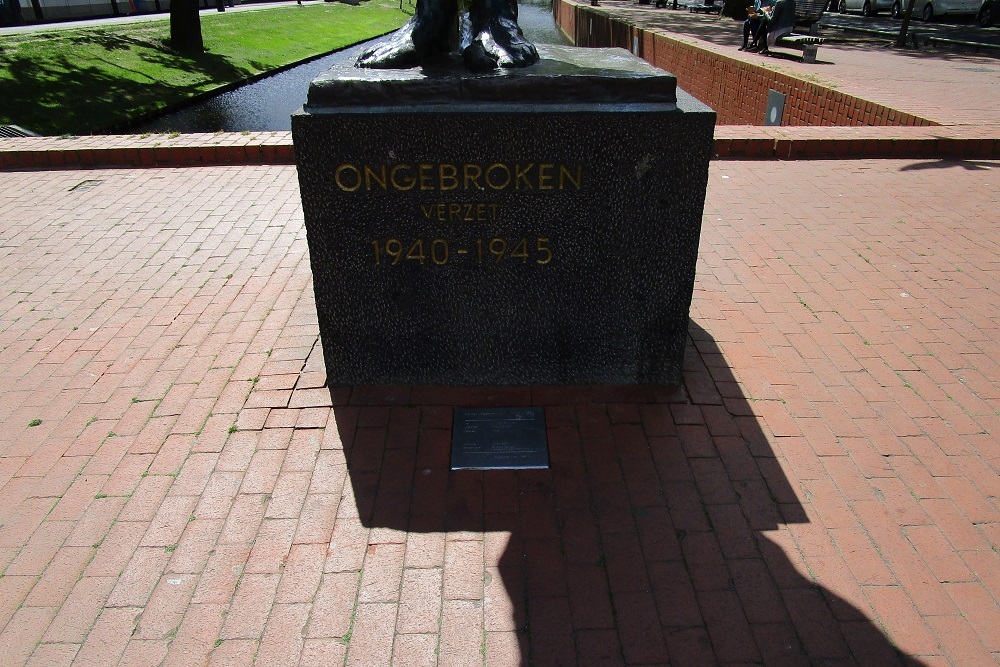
[[929, 9], [866, 7]]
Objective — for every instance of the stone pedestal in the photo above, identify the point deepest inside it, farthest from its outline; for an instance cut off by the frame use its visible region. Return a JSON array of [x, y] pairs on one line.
[[536, 226]]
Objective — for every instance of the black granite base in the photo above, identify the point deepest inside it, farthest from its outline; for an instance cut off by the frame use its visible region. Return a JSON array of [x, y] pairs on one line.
[[537, 226]]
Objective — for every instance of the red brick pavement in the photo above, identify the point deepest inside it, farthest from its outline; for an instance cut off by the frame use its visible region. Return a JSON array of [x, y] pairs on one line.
[[179, 489]]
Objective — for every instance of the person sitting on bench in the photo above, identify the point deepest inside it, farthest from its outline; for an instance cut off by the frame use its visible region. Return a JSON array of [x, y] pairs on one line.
[[753, 21], [776, 23]]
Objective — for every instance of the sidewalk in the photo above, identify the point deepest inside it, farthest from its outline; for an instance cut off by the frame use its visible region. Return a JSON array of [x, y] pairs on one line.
[[950, 88], [180, 489]]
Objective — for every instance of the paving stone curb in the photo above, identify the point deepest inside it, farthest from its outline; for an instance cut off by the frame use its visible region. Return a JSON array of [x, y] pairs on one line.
[[731, 142], [154, 150]]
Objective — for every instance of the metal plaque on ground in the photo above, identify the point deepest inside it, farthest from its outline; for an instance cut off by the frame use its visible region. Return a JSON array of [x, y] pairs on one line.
[[499, 439]]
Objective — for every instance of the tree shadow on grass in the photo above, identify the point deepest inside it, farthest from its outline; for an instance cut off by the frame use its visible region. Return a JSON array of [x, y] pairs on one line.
[[109, 40], [59, 96], [654, 537]]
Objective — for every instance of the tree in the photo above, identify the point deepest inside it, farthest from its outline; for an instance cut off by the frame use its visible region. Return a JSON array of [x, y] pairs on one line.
[[185, 27], [14, 10], [901, 40]]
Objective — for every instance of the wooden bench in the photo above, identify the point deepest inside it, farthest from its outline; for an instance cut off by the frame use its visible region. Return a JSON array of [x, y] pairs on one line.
[[807, 44]]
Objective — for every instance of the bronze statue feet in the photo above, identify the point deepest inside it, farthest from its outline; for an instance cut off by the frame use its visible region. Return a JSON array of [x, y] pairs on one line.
[[497, 41], [427, 33], [492, 37], [398, 50]]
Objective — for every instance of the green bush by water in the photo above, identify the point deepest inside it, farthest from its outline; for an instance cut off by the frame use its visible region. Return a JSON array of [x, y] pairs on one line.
[[89, 80]]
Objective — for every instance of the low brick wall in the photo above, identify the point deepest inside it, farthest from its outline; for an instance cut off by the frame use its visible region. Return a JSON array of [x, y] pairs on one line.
[[150, 150], [731, 141], [736, 89]]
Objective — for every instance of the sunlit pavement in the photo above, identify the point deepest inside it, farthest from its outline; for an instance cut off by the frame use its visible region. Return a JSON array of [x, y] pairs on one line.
[[181, 488]]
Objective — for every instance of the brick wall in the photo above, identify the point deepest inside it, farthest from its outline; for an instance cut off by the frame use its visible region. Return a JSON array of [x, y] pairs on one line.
[[736, 89]]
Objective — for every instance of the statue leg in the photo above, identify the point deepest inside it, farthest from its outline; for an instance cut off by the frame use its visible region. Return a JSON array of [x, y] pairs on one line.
[[427, 33], [497, 40]]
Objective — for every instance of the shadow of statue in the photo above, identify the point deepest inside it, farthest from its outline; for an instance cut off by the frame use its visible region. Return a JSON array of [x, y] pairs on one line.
[[655, 536]]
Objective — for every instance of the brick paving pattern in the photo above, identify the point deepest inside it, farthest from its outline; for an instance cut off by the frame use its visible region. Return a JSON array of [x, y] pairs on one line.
[[179, 488]]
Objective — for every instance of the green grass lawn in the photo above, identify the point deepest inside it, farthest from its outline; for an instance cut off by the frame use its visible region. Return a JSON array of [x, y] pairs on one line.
[[91, 80]]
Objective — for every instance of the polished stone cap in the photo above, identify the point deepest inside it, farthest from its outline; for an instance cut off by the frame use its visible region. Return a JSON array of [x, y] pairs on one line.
[[565, 75]]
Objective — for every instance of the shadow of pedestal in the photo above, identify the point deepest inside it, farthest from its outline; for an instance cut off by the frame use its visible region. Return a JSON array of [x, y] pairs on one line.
[[657, 535]]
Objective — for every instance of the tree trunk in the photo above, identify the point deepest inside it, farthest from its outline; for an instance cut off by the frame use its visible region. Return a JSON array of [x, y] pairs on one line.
[[901, 40], [16, 17], [185, 27]]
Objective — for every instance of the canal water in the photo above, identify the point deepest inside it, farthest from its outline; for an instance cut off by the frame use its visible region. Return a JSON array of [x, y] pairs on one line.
[[267, 104]]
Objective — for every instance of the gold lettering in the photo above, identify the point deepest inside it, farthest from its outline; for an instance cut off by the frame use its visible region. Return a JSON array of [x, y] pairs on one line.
[[496, 167], [498, 247], [439, 251], [521, 251], [472, 174], [545, 177], [522, 175], [340, 183], [542, 244], [417, 251], [454, 211], [394, 248], [408, 182], [447, 176], [370, 176], [564, 175], [426, 179], [502, 249]]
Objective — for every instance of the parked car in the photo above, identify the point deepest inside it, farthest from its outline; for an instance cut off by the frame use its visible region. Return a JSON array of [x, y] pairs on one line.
[[866, 7], [928, 10]]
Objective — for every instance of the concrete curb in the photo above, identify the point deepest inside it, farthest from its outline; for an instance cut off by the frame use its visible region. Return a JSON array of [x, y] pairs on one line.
[[731, 142], [154, 150]]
